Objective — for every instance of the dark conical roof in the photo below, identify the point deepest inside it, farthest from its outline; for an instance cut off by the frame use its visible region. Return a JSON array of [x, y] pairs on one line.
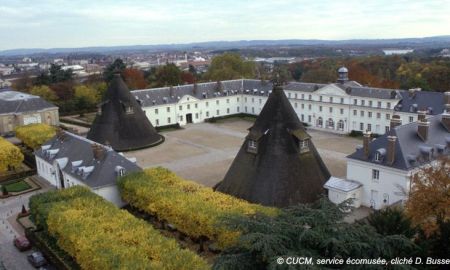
[[121, 122], [280, 172]]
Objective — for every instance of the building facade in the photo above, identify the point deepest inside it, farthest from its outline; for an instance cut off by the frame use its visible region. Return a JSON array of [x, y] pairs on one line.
[[68, 159], [336, 107], [18, 109]]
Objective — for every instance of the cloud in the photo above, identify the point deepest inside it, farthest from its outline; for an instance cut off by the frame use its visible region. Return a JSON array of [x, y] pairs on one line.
[[53, 23]]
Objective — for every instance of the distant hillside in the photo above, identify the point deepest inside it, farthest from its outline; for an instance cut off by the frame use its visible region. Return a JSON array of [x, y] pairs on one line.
[[438, 41]]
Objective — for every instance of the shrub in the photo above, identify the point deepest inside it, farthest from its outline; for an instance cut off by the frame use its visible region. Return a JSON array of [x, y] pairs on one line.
[[101, 236], [34, 135], [10, 155], [194, 209]]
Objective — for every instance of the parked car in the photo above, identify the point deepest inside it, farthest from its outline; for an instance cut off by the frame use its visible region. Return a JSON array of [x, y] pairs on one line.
[[22, 243], [37, 259]]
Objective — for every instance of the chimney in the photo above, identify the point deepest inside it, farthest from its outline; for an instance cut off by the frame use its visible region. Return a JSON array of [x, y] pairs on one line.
[[422, 130], [421, 116], [98, 151], [366, 141], [395, 121], [391, 149]]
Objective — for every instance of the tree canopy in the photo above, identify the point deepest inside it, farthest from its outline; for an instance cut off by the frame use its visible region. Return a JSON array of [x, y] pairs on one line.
[[44, 92], [229, 66], [34, 135], [117, 66], [10, 155]]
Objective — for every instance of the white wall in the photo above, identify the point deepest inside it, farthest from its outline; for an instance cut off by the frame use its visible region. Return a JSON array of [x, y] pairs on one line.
[[110, 193], [392, 183], [338, 197]]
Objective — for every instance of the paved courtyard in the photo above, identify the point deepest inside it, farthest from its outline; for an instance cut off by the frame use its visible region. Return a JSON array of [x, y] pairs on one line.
[[204, 152]]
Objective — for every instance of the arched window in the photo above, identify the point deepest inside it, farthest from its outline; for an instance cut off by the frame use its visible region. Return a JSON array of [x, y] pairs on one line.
[[341, 125], [320, 122], [330, 123]]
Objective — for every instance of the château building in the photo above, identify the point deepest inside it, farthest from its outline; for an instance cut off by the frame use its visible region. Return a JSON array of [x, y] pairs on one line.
[[338, 107]]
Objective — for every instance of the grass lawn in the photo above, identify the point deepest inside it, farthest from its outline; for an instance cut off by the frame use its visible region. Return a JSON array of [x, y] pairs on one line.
[[17, 186]]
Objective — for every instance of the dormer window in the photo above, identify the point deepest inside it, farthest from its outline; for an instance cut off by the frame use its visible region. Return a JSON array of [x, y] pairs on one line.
[[252, 146], [129, 110], [377, 156], [304, 146]]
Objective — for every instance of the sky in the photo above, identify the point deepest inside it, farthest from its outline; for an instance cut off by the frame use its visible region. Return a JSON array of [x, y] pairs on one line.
[[80, 23]]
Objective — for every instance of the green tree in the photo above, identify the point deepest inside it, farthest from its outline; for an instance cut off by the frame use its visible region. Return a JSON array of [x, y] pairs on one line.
[[117, 66], [55, 75], [229, 66], [167, 75], [86, 96], [44, 92]]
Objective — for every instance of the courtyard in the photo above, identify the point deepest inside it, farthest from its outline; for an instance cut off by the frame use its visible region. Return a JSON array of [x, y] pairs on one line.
[[203, 152]]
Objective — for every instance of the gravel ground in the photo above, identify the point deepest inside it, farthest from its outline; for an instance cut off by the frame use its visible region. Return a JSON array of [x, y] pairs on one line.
[[204, 152]]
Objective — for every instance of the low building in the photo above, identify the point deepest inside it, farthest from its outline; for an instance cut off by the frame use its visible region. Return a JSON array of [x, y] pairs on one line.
[[18, 109], [379, 172], [68, 159]]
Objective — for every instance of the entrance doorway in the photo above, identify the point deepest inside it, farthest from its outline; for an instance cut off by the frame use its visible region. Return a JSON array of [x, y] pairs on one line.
[[189, 118]]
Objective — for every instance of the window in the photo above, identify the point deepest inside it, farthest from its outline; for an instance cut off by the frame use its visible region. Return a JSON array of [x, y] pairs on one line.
[[180, 108], [331, 99], [252, 146], [369, 127], [168, 109], [320, 108], [375, 175], [388, 105], [168, 120], [245, 108], [237, 99], [342, 100], [342, 111], [361, 126], [253, 100], [309, 118], [386, 128], [303, 117], [378, 115], [245, 99], [379, 104], [310, 97], [196, 115], [309, 106], [303, 96], [228, 110], [320, 98], [181, 118], [377, 156], [295, 95], [303, 145], [189, 106], [289, 95], [217, 112], [253, 109], [369, 114], [207, 104], [228, 100], [370, 103], [331, 109], [156, 111], [129, 110], [411, 119], [363, 102], [362, 113], [237, 109], [355, 102], [207, 114], [355, 112], [388, 116], [217, 102], [303, 106], [196, 105]]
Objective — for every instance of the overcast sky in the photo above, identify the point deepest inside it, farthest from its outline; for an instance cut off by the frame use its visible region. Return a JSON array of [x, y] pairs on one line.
[[52, 23]]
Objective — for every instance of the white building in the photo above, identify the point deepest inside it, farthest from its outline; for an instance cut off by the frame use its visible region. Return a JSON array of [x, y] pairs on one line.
[[67, 160], [336, 107], [380, 170]]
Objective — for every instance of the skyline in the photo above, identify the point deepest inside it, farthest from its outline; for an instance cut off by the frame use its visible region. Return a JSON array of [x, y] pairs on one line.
[[56, 24]]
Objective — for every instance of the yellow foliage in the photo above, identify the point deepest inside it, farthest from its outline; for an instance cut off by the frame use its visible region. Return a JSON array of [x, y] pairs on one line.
[[194, 209], [101, 236], [10, 155], [34, 135], [88, 93]]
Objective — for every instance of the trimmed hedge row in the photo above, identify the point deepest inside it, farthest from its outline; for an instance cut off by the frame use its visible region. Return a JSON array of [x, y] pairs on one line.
[[195, 210], [100, 236]]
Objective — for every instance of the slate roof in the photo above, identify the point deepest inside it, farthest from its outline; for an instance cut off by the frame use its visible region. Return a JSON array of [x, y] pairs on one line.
[[14, 102], [409, 147], [114, 126], [421, 100], [278, 174], [73, 148]]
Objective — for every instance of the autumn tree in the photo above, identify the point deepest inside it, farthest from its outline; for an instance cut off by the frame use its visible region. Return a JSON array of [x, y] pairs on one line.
[[134, 78], [10, 155], [86, 96], [44, 92], [23, 83], [229, 66], [187, 77], [34, 135], [429, 199]]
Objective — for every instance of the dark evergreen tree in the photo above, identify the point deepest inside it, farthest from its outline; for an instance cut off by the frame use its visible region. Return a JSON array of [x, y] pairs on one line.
[[391, 221], [117, 66]]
